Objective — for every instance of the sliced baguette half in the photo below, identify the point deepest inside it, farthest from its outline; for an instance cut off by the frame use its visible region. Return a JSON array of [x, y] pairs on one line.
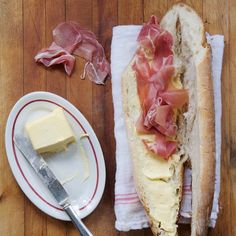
[[159, 183]]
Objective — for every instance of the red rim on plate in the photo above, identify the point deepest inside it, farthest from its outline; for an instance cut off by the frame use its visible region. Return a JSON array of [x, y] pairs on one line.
[[19, 166]]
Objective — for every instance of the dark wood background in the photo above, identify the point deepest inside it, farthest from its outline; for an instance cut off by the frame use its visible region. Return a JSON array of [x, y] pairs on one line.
[[25, 27]]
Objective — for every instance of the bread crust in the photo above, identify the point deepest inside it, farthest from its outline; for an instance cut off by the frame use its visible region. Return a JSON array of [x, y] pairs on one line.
[[204, 192], [207, 146], [204, 177], [137, 166]]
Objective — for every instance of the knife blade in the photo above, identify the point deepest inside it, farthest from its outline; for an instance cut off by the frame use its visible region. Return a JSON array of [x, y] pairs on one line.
[[43, 171]]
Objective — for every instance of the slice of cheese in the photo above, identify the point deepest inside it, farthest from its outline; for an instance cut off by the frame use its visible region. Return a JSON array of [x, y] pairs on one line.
[[50, 133]]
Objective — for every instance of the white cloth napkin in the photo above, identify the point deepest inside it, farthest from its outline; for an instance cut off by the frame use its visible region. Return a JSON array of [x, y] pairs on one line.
[[129, 211]]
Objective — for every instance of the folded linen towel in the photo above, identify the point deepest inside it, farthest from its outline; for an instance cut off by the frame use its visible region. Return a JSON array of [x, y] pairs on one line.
[[128, 209]]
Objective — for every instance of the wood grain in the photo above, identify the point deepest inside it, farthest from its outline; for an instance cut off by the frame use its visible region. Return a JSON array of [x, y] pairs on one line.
[[153, 7], [26, 27], [34, 79], [55, 83], [79, 92], [55, 77], [104, 14], [11, 85], [232, 116], [131, 13]]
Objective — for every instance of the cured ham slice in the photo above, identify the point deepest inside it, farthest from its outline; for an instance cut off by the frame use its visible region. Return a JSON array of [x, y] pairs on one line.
[[169, 129], [97, 72], [148, 34], [162, 77], [86, 51], [67, 36], [98, 68], [160, 117], [153, 65], [140, 128], [73, 39], [161, 146], [164, 44], [142, 67], [56, 55], [158, 62], [155, 39], [162, 114], [176, 98], [83, 43]]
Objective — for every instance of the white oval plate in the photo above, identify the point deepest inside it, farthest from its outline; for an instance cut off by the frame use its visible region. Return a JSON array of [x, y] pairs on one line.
[[84, 194]]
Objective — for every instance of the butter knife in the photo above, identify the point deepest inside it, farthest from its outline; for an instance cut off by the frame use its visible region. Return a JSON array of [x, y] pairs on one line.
[[49, 179]]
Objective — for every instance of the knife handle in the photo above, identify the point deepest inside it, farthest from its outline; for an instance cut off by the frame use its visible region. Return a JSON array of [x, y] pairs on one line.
[[77, 221]]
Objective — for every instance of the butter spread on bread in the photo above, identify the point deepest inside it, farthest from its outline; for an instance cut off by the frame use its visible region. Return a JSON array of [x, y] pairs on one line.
[[159, 178]]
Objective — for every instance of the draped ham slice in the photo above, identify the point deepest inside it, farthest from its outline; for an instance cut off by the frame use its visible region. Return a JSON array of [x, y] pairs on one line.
[[153, 65], [98, 68], [160, 117], [161, 146], [56, 55], [164, 45], [162, 114], [71, 38], [84, 44], [176, 98], [86, 51], [155, 39], [148, 35], [158, 62], [140, 128], [67, 36], [97, 72], [162, 77], [141, 66]]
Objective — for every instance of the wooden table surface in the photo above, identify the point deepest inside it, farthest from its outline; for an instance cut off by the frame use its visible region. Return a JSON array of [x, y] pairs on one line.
[[25, 27]]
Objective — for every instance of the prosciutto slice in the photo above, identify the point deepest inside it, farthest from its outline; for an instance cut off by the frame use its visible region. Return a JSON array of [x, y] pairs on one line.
[[142, 67], [160, 117], [155, 39], [56, 55], [161, 146], [158, 62], [149, 33], [140, 125], [176, 98], [162, 77], [154, 70], [67, 36], [81, 42]]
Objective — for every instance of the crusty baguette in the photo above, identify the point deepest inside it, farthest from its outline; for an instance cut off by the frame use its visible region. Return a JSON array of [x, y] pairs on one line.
[[195, 132], [141, 157], [200, 117]]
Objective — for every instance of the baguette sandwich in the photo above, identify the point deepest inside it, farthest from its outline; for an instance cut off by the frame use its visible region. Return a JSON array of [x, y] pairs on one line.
[[167, 96]]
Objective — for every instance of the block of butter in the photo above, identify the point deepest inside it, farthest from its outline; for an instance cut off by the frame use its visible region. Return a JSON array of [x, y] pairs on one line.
[[50, 133]]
